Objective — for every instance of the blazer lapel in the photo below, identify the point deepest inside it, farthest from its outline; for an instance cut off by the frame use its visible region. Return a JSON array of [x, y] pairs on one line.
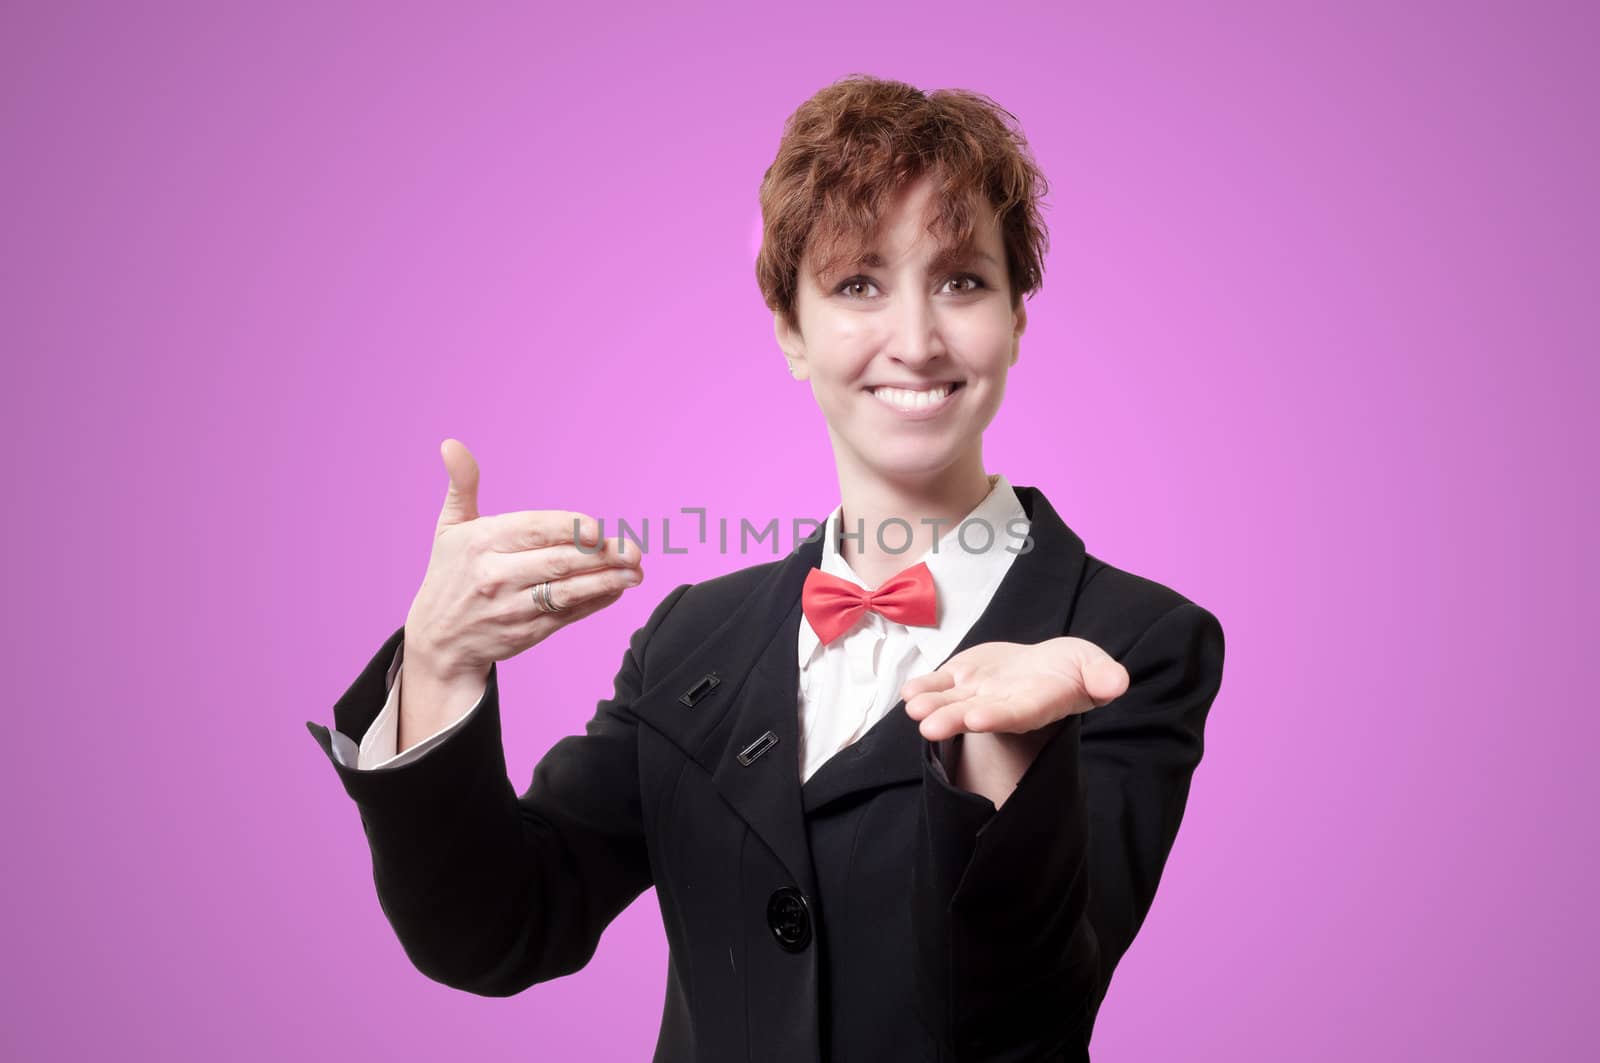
[[1033, 603], [745, 730]]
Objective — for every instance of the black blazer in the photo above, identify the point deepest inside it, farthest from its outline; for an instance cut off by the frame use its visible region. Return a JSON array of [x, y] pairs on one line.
[[875, 913]]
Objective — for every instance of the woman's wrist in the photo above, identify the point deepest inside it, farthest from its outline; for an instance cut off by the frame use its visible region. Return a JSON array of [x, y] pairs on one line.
[[991, 764], [429, 703]]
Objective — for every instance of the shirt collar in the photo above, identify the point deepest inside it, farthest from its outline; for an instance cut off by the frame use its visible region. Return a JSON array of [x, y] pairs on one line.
[[964, 579]]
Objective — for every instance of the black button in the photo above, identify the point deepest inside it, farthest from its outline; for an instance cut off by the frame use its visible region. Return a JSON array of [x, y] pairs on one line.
[[748, 756], [789, 918], [700, 689]]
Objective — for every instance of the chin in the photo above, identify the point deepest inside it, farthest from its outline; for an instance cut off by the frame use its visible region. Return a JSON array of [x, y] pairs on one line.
[[909, 460]]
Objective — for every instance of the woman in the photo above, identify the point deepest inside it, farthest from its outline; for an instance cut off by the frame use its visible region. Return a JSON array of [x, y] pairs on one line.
[[905, 793]]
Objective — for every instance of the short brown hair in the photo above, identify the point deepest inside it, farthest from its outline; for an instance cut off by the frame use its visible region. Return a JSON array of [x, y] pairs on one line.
[[848, 151]]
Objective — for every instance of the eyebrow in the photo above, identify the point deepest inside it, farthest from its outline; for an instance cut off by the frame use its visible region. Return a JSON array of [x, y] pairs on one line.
[[945, 258]]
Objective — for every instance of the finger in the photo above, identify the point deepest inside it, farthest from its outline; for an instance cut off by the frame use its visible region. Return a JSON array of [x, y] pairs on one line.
[[944, 722], [577, 591], [571, 613], [922, 705], [461, 497], [923, 683], [948, 714], [1105, 680], [535, 529], [523, 569], [979, 718], [995, 717], [529, 631]]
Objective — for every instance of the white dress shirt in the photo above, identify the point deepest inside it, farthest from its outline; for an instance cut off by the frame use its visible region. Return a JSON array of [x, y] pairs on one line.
[[844, 687], [852, 682]]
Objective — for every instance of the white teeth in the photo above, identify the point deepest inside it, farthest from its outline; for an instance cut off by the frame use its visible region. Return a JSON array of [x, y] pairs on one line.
[[912, 400]]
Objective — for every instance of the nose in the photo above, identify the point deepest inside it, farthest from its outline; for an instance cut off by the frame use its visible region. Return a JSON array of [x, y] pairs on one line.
[[914, 337]]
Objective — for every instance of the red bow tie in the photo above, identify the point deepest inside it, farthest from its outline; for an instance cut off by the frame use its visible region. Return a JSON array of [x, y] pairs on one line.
[[833, 605]]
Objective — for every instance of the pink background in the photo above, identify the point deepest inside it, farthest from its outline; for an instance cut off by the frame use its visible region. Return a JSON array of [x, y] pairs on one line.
[[1317, 331]]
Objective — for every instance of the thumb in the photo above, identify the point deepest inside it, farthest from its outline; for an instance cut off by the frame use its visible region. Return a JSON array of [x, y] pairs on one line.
[[1105, 679], [461, 501]]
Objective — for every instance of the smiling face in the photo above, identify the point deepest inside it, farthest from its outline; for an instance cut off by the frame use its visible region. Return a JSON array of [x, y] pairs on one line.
[[908, 317]]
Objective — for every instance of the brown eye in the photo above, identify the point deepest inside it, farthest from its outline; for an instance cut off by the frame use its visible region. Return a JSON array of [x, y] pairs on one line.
[[853, 282]]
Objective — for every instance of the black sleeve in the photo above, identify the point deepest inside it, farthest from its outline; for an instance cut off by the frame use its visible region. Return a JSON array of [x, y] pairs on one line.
[[489, 892], [1022, 913]]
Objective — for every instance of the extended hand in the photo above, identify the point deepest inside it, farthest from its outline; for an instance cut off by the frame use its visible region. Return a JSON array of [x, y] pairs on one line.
[[1013, 687]]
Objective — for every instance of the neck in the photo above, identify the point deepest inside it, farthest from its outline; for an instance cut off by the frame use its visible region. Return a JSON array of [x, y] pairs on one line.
[[873, 539]]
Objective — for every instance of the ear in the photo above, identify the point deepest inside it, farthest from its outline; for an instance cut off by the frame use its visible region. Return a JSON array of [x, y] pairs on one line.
[[1019, 318], [792, 344]]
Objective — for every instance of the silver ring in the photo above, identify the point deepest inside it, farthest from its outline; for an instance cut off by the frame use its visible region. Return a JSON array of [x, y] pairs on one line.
[[542, 600]]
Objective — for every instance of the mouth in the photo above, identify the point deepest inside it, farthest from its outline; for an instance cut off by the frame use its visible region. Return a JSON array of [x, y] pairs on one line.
[[924, 400]]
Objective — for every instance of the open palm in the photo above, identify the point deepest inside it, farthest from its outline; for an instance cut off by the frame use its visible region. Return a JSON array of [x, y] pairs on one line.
[[1013, 687]]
